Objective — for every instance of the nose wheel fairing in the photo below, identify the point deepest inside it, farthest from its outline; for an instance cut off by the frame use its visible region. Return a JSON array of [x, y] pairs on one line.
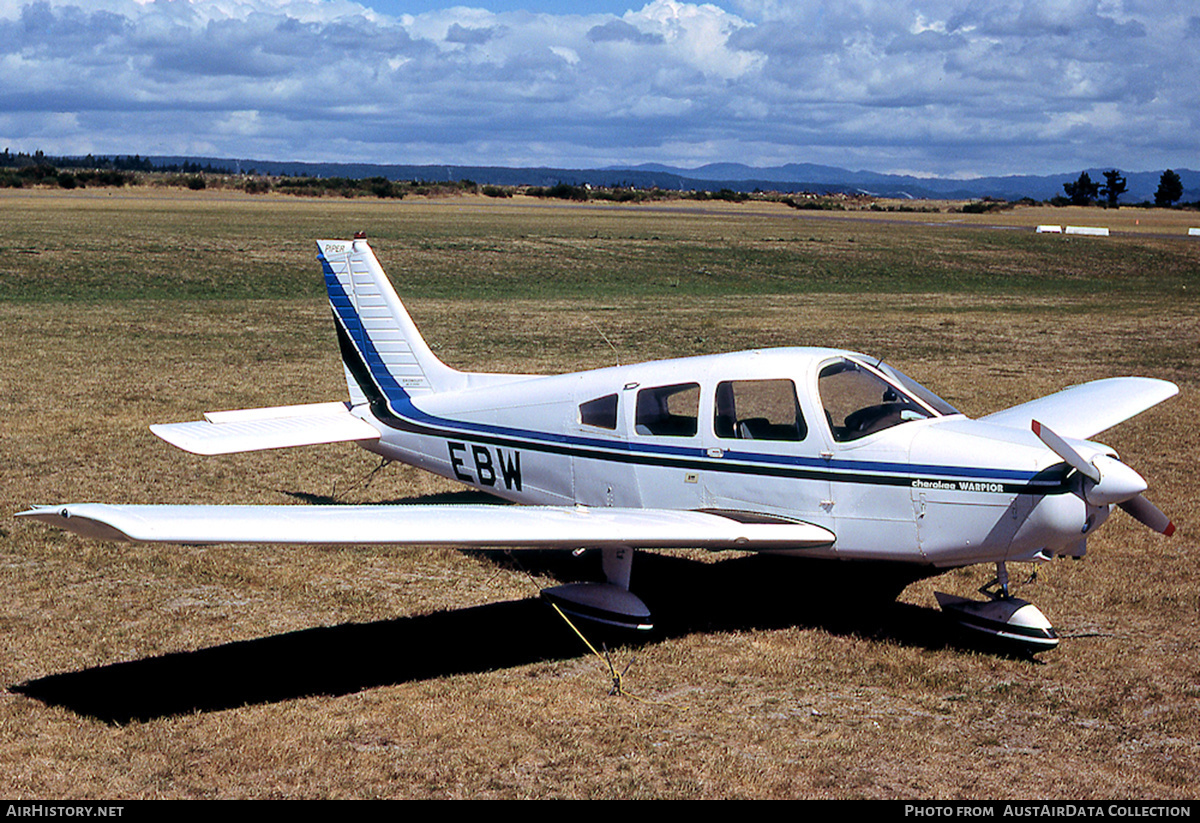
[[1008, 619]]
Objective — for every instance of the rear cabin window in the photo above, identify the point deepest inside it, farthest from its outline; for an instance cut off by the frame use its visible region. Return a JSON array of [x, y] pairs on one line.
[[758, 410], [601, 412], [668, 411]]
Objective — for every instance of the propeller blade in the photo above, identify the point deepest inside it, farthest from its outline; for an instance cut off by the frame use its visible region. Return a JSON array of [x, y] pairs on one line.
[[1111, 480], [1065, 451], [1145, 512]]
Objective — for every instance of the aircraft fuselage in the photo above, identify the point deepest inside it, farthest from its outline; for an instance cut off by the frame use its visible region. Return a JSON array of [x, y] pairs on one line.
[[672, 434]]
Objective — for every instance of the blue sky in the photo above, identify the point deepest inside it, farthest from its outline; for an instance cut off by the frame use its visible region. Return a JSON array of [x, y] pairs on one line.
[[947, 87]]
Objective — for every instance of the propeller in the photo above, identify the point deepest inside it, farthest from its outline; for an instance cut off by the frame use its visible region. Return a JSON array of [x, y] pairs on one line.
[[1108, 481], [1143, 511]]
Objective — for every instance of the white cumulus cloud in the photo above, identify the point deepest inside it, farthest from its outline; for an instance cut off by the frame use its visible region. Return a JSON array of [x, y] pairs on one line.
[[932, 85]]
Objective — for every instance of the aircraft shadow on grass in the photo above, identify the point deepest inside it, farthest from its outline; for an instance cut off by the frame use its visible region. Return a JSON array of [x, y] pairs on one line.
[[689, 596]]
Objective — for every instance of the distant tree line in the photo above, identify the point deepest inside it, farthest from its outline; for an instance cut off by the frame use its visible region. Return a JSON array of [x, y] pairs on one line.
[[341, 186], [627, 193], [1084, 191], [21, 160], [39, 169], [566, 191], [21, 169]]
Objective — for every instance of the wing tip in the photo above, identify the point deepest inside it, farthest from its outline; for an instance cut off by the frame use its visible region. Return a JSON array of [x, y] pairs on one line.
[[90, 522]]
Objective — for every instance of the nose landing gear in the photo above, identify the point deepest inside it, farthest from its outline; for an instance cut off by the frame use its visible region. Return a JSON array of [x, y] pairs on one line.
[[1007, 618]]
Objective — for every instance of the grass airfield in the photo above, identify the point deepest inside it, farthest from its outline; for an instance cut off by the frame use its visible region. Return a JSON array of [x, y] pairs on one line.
[[290, 672]]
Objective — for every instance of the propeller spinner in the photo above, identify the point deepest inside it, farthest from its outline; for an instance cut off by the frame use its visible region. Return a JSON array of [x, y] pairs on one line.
[[1108, 481]]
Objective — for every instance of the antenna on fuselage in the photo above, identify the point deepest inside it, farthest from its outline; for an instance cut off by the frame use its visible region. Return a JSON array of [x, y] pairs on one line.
[[600, 331]]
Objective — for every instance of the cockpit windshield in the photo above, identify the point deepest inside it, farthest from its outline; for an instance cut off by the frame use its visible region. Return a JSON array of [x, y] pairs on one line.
[[916, 389], [862, 399]]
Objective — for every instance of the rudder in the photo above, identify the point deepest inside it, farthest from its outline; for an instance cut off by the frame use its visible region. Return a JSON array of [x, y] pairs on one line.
[[382, 351]]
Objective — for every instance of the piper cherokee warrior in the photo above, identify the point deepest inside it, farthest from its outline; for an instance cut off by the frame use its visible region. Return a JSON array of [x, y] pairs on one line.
[[813, 452]]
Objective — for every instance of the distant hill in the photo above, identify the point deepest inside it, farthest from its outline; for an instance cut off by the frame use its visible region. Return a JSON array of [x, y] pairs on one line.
[[793, 177], [1141, 185]]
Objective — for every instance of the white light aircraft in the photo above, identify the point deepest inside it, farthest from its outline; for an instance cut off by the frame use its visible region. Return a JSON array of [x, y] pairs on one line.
[[813, 452]]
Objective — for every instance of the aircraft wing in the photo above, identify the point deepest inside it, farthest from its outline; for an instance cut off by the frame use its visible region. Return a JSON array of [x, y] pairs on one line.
[[1088, 409], [479, 526], [243, 430]]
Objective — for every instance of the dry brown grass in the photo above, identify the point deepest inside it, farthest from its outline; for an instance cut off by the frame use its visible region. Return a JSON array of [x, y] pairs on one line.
[[395, 673]]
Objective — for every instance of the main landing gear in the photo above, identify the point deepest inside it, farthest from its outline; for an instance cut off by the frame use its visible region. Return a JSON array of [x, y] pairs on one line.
[[1009, 619], [610, 603]]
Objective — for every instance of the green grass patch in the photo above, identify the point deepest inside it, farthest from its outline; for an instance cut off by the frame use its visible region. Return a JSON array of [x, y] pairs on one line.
[[221, 245]]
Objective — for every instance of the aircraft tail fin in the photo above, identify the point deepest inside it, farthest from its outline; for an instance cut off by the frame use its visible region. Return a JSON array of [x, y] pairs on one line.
[[384, 355]]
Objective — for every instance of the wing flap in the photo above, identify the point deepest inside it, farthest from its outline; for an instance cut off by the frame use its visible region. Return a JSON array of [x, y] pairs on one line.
[[1088, 409], [244, 430], [480, 526]]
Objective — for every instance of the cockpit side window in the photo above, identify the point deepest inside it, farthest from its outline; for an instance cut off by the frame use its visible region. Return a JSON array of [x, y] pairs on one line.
[[668, 411], [859, 402], [758, 410]]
